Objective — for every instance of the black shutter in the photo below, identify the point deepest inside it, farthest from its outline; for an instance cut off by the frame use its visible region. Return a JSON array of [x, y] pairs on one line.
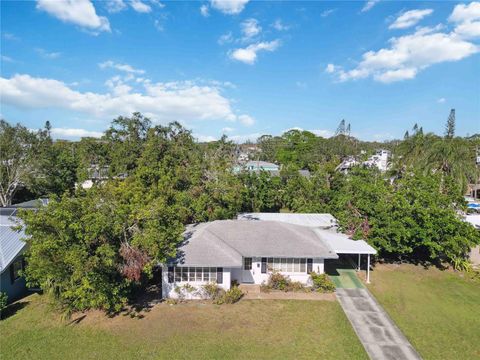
[[219, 275], [170, 274], [12, 274], [264, 265], [309, 265]]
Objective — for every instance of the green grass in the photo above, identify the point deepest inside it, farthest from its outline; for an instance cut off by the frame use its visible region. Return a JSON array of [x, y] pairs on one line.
[[249, 329], [438, 311]]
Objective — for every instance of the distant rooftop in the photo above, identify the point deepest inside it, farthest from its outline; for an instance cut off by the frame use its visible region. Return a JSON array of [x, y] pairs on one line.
[[11, 243], [311, 220]]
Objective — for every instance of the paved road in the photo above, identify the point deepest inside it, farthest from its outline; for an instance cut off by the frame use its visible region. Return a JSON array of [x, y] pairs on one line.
[[379, 335]]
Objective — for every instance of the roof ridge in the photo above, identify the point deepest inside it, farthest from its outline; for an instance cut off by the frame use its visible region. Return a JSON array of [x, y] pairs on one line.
[[217, 237], [291, 227]]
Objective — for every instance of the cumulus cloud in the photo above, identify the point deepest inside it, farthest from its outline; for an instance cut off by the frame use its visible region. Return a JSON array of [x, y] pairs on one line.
[[248, 55], [225, 38], [140, 6], [441, 100], [407, 55], [114, 6], [163, 102], [204, 10], [78, 12], [467, 20], [246, 120], [330, 69], [74, 133], [121, 67], [250, 28], [410, 18], [227, 130], [280, 26], [369, 5], [229, 7]]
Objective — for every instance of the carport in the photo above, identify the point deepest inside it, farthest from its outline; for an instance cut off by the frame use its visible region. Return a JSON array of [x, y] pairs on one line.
[[342, 244]]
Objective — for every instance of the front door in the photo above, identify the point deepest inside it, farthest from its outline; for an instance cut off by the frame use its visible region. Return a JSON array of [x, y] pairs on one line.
[[247, 271]]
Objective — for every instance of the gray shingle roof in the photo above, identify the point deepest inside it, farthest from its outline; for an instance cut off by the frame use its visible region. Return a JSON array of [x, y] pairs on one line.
[[11, 243], [224, 242], [311, 220]]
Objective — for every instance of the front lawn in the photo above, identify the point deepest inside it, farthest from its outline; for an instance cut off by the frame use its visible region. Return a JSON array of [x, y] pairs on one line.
[[268, 329], [439, 311]]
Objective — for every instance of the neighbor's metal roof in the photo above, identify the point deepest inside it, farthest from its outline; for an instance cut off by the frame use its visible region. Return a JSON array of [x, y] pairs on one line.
[[310, 220], [11, 243], [225, 242]]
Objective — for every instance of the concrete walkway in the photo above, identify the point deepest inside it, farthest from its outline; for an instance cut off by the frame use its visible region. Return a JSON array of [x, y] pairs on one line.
[[379, 335]]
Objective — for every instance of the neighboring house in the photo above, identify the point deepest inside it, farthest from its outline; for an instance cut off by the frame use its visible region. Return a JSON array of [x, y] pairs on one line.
[[12, 262], [256, 166], [12, 248], [380, 160], [347, 164], [246, 251], [98, 175], [474, 254]]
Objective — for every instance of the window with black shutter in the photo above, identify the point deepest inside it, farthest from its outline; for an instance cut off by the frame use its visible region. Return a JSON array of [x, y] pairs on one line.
[[264, 265], [170, 274], [219, 275], [309, 266]]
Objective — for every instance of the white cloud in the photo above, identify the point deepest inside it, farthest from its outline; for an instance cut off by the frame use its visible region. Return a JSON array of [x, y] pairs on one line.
[[79, 12], [121, 67], [322, 133], [10, 36], [243, 138], [114, 6], [47, 55], [246, 120], [467, 19], [248, 55], [280, 26], [74, 133], [205, 138], [407, 55], [227, 130], [163, 102], [140, 7], [410, 18], [7, 59], [330, 69], [369, 5], [225, 38], [229, 7], [441, 100], [463, 12], [250, 28], [204, 10], [327, 12]]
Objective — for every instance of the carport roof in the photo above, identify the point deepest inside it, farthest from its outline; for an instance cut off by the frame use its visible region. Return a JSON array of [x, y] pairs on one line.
[[342, 244]]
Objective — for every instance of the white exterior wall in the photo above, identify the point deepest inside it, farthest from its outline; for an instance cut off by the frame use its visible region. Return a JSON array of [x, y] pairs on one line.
[[168, 289], [255, 275]]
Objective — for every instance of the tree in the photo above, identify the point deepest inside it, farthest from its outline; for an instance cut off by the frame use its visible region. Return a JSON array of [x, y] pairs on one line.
[[18, 166], [450, 126]]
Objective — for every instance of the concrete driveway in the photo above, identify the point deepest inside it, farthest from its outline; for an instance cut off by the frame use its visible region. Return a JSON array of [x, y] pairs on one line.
[[379, 335]]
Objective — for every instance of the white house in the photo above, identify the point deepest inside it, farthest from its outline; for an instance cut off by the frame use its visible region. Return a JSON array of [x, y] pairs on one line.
[[380, 160], [248, 250]]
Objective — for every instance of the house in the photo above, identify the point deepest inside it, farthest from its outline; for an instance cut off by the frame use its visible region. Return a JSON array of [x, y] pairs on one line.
[[474, 255], [98, 175], [12, 262], [248, 249], [347, 164], [12, 248], [256, 166], [380, 160]]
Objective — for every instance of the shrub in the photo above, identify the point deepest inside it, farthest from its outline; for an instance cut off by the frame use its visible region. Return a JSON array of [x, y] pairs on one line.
[[296, 286], [322, 283], [264, 287], [278, 281], [3, 301], [183, 291], [230, 297], [212, 291]]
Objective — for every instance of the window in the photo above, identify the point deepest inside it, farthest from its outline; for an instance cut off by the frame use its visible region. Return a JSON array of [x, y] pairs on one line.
[[247, 263], [290, 265], [193, 274], [15, 269]]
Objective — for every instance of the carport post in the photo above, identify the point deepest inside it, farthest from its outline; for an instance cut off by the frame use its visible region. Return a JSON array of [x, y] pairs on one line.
[[358, 267], [368, 269]]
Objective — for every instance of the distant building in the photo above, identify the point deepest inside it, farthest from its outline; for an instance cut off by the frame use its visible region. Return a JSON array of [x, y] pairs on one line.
[[380, 160], [474, 255], [98, 175], [347, 164], [257, 166]]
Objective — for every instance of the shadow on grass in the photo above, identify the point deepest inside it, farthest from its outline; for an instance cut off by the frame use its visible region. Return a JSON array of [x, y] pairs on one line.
[[12, 309]]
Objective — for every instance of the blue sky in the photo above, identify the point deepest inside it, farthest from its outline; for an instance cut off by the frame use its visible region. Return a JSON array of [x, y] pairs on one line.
[[242, 68]]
